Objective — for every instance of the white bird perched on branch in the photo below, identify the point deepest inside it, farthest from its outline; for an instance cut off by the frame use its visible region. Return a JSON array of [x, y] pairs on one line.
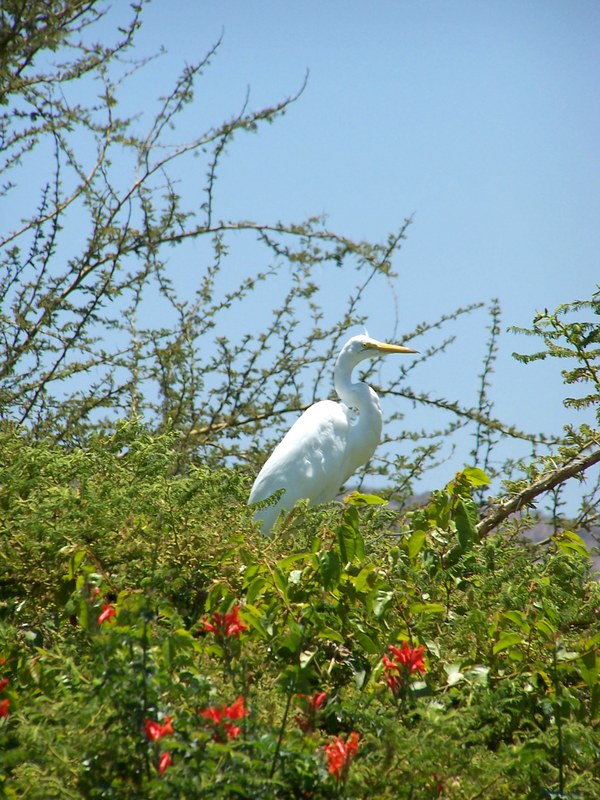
[[328, 442]]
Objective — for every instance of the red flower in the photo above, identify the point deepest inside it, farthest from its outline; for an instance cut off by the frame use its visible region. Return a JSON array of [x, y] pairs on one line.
[[236, 710], [339, 754], [221, 716], [4, 704], [3, 684], [155, 731], [108, 611], [307, 720], [212, 713], [233, 624], [392, 677], [232, 731], [228, 624], [164, 762], [405, 662], [411, 657], [317, 700]]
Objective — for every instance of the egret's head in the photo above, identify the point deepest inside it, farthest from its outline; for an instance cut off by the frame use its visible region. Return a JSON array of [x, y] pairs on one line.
[[360, 347]]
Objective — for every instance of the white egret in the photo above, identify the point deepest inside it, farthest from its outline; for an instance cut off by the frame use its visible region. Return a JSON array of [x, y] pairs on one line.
[[328, 442]]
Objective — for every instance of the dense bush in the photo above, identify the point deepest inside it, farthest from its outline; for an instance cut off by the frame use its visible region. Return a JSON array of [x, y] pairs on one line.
[[143, 615]]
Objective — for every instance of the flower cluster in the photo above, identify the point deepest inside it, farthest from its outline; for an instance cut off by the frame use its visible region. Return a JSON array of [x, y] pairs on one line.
[[223, 625], [307, 720], [5, 702], [222, 719], [405, 661], [155, 731], [339, 753]]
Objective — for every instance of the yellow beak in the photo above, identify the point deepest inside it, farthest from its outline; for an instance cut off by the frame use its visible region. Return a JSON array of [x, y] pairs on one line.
[[383, 347]]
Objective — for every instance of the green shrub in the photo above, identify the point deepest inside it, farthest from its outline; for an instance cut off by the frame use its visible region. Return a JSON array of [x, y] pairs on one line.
[[133, 596]]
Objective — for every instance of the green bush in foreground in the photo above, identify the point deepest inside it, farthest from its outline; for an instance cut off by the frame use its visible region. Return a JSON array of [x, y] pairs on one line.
[[155, 646]]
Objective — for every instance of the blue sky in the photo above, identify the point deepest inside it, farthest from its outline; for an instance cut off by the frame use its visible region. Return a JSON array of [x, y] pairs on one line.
[[481, 120]]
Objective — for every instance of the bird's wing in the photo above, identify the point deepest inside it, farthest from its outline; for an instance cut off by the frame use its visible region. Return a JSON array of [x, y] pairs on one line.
[[309, 462]]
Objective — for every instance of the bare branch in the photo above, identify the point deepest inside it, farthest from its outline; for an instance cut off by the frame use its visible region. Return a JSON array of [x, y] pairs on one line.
[[523, 498]]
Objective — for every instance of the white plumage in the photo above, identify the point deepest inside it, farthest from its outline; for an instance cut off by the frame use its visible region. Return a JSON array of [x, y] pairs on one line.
[[328, 442]]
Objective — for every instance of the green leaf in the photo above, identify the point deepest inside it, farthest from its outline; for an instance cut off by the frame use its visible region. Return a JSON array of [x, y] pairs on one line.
[[591, 641], [256, 618], [465, 526], [507, 640], [518, 617], [433, 648], [351, 519], [75, 563], [83, 614], [297, 679], [359, 499], [168, 651], [331, 634], [183, 640], [546, 628], [289, 644], [415, 544], [380, 600], [347, 543], [359, 544], [363, 582], [427, 608], [368, 644], [330, 569], [280, 580], [251, 571], [350, 541], [289, 561], [476, 477], [568, 541], [595, 702], [255, 588], [589, 666]]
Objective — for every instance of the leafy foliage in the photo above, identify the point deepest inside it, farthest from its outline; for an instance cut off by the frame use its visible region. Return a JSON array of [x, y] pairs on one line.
[[193, 682], [568, 334]]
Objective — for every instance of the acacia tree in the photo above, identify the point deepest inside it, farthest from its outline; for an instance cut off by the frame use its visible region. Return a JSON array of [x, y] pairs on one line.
[[96, 323]]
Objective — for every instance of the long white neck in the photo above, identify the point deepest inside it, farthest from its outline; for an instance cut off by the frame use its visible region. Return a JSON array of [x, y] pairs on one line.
[[366, 429]]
